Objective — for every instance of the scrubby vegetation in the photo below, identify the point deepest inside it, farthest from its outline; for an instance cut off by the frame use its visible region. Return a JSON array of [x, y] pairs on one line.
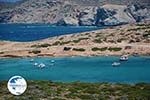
[[146, 35], [47, 90], [35, 51], [67, 48], [1, 52], [139, 28], [114, 49], [128, 47], [56, 43], [41, 45], [99, 40], [67, 42], [99, 49], [61, 38], [106, 48], [78, 40], [79, 49], [63, 43]]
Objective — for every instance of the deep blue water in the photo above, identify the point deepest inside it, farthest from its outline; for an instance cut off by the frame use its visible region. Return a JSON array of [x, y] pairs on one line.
[[84, 69], [32, 32]]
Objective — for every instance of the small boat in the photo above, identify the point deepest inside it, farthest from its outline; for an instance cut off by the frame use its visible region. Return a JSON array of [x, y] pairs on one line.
[[31, 60], [124, 58], [52, 61], [115, 64], [35, 64], [41, 65]]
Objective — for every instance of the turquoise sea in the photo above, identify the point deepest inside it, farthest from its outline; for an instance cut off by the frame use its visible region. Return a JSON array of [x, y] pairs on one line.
[[84, 69]]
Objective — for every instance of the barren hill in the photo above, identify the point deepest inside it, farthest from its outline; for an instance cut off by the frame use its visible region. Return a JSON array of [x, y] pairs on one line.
[[77, 12]]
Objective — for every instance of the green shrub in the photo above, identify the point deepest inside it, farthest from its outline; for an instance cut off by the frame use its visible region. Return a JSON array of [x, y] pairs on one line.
[[146, 35], [67, 48], [128, 47], [79, 49], [61, 38], [66, 42], [35, 51], [98, 35], [34, 45], [45, 45], [139, 28], [1, 52], [61, 43], [86, 97], [114, 49], [99, 49], [71, 95], [77, 41], [56, 43], [41, 45], [98, 40], [83, 38]]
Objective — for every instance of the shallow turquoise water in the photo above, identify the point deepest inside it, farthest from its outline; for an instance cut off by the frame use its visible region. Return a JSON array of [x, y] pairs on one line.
[[85, 69]]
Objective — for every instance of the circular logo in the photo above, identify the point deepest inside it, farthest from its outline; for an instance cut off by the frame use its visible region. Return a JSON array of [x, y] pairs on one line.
[[17, 85]]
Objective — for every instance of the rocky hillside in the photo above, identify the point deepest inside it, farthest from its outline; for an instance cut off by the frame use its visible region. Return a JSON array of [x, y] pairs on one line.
[[78, 12]]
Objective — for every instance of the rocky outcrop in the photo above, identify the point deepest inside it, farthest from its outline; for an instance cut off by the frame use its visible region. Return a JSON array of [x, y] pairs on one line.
[[117, 14], [70, 12], [68, 21], [140, 13], [87, 17]]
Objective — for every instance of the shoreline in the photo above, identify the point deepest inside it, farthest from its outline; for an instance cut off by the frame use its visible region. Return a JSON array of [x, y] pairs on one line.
[[14, 56], [101, 82]]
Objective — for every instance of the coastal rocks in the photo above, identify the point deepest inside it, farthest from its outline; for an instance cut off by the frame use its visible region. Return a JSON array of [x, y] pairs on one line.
[[68, 21]]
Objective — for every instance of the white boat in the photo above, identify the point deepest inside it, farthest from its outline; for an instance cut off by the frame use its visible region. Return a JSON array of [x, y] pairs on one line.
[[115, 64], [31, 60], [124, 58], [41, 65], [35, 64], [52, 61]]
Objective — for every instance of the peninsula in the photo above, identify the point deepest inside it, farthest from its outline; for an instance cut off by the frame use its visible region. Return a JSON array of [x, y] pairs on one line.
[[130, 39]]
